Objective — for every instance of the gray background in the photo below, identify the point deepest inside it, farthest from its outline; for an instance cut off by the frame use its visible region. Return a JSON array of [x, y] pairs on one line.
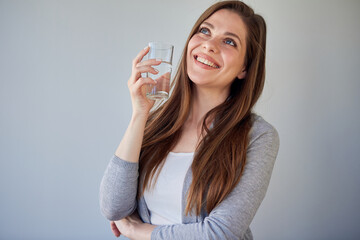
[[65, 105]]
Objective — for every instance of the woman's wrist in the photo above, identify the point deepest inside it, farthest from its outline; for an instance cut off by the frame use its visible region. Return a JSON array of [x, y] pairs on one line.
[[140, 115]]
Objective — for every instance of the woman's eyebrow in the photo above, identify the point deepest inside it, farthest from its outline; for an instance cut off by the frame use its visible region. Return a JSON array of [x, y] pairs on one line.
[[226, 33]]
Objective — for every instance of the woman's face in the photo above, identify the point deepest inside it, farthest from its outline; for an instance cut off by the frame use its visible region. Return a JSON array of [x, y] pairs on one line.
[[216, 53]]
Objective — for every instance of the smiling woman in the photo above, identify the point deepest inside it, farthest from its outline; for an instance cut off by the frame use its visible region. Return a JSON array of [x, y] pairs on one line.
[[203, 159]]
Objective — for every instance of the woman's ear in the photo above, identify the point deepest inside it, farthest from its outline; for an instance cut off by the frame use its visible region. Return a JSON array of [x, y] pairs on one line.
[[242, 75]]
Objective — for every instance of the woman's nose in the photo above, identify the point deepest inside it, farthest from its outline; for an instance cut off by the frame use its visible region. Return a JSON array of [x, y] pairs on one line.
[[211, 45]]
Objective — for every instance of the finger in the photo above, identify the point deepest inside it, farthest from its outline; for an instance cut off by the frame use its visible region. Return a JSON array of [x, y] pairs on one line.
[[136, 74], [134, 85], [146, 69], [149, 62], [142, 67], [142, 81], [141, 55], [141, 85], [114, 229]]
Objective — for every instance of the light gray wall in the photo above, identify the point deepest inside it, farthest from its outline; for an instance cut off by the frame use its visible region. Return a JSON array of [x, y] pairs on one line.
[[64, 107]]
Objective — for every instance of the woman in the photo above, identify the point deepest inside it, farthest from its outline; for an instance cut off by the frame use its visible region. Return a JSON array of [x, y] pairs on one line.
[[204, 160]]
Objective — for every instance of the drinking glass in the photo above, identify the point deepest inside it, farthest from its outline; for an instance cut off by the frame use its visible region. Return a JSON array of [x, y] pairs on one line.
[[163, 51]]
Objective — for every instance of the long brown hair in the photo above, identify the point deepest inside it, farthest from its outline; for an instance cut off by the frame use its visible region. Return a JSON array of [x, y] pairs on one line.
[[221, 155]]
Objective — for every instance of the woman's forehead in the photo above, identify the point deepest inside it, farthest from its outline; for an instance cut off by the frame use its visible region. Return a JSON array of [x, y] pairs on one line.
[[225, 20]]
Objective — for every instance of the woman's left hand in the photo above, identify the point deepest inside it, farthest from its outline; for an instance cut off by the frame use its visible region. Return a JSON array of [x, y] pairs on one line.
[[132, 227]]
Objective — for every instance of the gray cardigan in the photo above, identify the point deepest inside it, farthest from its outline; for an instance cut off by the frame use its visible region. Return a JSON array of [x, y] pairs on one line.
[[229, 220]]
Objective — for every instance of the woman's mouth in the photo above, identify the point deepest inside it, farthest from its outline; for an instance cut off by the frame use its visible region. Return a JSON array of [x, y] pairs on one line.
[[206, 62]]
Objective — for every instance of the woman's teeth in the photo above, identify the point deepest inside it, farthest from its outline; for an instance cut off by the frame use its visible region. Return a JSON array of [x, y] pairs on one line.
[[206, 62]]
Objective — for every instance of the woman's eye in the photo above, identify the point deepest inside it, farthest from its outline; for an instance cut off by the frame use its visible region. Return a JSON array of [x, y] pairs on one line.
[[230, 42], [204, 31]]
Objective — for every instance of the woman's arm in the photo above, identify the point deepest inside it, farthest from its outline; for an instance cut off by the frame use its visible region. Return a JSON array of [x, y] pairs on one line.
[[119, 185], [231, 219], [130, 146]]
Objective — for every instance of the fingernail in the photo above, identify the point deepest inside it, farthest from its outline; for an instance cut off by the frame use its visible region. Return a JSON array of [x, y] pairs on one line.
[[146, 47], [155, 81], [157, 71], [158, 60]]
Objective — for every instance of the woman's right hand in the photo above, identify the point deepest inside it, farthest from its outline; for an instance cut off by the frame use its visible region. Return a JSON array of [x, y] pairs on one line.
[[137, 84]]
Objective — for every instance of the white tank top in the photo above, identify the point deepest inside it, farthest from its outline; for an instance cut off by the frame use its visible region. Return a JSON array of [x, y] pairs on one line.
[[164, 201]]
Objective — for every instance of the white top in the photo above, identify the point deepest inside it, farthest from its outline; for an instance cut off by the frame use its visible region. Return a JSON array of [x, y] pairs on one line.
[[164, 200]]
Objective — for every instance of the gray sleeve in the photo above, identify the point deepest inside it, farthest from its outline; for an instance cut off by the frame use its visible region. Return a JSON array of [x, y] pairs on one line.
[[118, 189], [231, 219]]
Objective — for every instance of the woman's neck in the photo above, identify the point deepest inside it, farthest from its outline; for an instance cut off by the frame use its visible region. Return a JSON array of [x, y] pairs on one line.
[[203, 101]]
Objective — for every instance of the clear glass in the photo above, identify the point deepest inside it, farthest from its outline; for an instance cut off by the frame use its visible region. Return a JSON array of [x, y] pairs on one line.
[[163, 51]]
